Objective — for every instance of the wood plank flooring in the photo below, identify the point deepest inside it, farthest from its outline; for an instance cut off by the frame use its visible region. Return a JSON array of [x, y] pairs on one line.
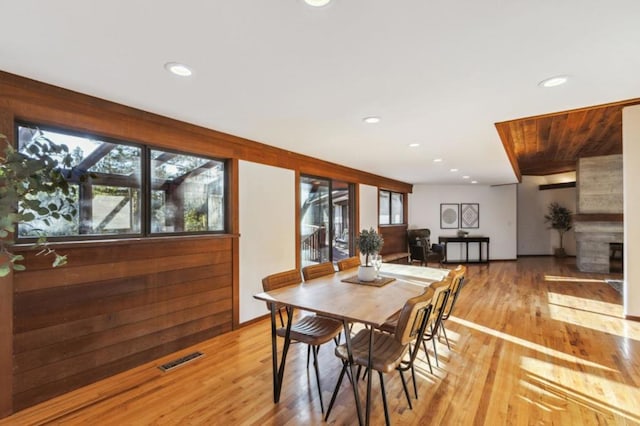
[[533, 342]]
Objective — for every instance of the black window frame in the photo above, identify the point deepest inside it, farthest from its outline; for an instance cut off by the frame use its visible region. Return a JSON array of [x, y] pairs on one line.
[[145, 187], [389, 212]]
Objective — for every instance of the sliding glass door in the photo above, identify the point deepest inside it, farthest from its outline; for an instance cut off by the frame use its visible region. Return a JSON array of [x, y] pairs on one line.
[[326, 215]]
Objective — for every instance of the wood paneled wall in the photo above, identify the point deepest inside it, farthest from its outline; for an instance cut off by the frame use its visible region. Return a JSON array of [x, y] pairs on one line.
[[114, 307], [121, 303], [395, 239]]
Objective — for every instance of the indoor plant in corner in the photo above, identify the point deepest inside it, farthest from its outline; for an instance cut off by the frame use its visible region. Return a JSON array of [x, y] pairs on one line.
[[33, 186], [560, 219], [369, 242]]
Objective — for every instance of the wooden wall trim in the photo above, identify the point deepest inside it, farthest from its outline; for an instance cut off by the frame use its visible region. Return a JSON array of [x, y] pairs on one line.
[[599, 217], [233, 194], [46, 104], [560, 185], [297, 218], [6, 306], [6, 345]]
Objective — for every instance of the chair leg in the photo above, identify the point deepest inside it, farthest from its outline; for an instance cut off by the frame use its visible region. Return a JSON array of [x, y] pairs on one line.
[[413, 378], [315, 366], [435, 352], [444, 332], [308, 355], [335, 391], [406, 390], [384, 399], [281, 319], [426, 352]]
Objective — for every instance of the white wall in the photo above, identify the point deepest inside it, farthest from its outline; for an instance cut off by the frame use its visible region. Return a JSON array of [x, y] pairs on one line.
[[267, 230], [631, 176], [534, 235], [498, 218], [368, 207]]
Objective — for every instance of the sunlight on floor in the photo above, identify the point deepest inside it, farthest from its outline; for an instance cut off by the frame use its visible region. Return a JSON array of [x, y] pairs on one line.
[[527, 344], [572, 279], [594, 321], [553, 386], [583, 304]]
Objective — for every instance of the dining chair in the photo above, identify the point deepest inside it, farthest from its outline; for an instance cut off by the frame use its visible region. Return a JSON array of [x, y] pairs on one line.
[[389, 350], [318, 270], [348, 263], [441, 293], [456, 286], [312, 330]]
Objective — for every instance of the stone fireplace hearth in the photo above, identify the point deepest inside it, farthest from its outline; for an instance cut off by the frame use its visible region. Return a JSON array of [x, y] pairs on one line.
[[599, 219], [593, 240]]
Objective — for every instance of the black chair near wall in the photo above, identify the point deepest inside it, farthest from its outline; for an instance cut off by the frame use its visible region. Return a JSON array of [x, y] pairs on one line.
[[420, 247]]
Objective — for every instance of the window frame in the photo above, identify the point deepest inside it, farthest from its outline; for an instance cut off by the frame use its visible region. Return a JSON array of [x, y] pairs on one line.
[[145, 187], [390, 222]]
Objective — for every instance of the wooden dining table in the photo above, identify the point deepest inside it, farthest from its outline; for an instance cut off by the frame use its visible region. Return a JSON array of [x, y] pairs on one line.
[[350, 303]]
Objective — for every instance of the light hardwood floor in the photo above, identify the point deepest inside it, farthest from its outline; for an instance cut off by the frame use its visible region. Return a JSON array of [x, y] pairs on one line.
[[534, 342]]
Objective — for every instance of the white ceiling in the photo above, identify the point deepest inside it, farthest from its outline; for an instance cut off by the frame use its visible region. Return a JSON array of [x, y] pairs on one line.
[[438, 73]]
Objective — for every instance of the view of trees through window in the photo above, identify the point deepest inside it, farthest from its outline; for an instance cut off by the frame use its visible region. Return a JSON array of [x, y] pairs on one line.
[[186, 195]]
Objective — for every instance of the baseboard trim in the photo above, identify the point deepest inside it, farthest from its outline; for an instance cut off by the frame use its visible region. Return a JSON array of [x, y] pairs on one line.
[[632, 318]]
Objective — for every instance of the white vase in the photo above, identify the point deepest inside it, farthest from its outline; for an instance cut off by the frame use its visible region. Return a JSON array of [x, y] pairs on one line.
[[366, 273]]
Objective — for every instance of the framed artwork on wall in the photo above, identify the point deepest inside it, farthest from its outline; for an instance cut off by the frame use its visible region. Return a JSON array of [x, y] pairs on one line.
[[469, 215], [449, 216]]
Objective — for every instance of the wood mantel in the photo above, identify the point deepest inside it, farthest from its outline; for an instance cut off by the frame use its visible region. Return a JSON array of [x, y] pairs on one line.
[[599, 217]]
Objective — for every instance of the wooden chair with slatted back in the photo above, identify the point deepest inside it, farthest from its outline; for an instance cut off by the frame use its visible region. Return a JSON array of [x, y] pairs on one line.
[[441, 293], [319, 270], [389, 350], [312, 330], [456, 286], [281, 279], [348, 263]]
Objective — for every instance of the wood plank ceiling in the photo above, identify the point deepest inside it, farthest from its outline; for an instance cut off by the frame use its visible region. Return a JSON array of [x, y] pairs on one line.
[[553, 143]]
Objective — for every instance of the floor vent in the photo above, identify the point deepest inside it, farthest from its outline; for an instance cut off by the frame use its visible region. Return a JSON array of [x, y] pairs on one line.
[[180, 361]]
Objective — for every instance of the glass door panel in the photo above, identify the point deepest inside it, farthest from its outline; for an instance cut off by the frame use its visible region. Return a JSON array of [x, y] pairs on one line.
[[325, 220], [341, 214], [314, 220]]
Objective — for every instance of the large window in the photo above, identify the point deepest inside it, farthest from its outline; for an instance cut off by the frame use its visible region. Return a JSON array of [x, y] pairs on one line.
[[186, 192], [391, 208]]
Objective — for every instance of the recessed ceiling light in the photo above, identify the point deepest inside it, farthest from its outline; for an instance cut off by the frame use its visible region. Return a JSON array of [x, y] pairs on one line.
[[554, 81], [465, 177], [178, 69], [453, 170], [317, 3], [371, 120], [474, 181], [414, 145], [437, 160]]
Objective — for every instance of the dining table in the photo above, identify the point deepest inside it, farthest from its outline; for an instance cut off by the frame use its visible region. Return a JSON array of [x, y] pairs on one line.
[[351, 302]]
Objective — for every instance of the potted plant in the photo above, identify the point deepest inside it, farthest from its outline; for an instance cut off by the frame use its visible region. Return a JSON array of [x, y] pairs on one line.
[[560, 219], [369, 243], [26, 180]]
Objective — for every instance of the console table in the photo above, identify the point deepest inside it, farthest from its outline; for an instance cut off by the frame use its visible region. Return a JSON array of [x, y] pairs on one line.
[[466, 240]]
